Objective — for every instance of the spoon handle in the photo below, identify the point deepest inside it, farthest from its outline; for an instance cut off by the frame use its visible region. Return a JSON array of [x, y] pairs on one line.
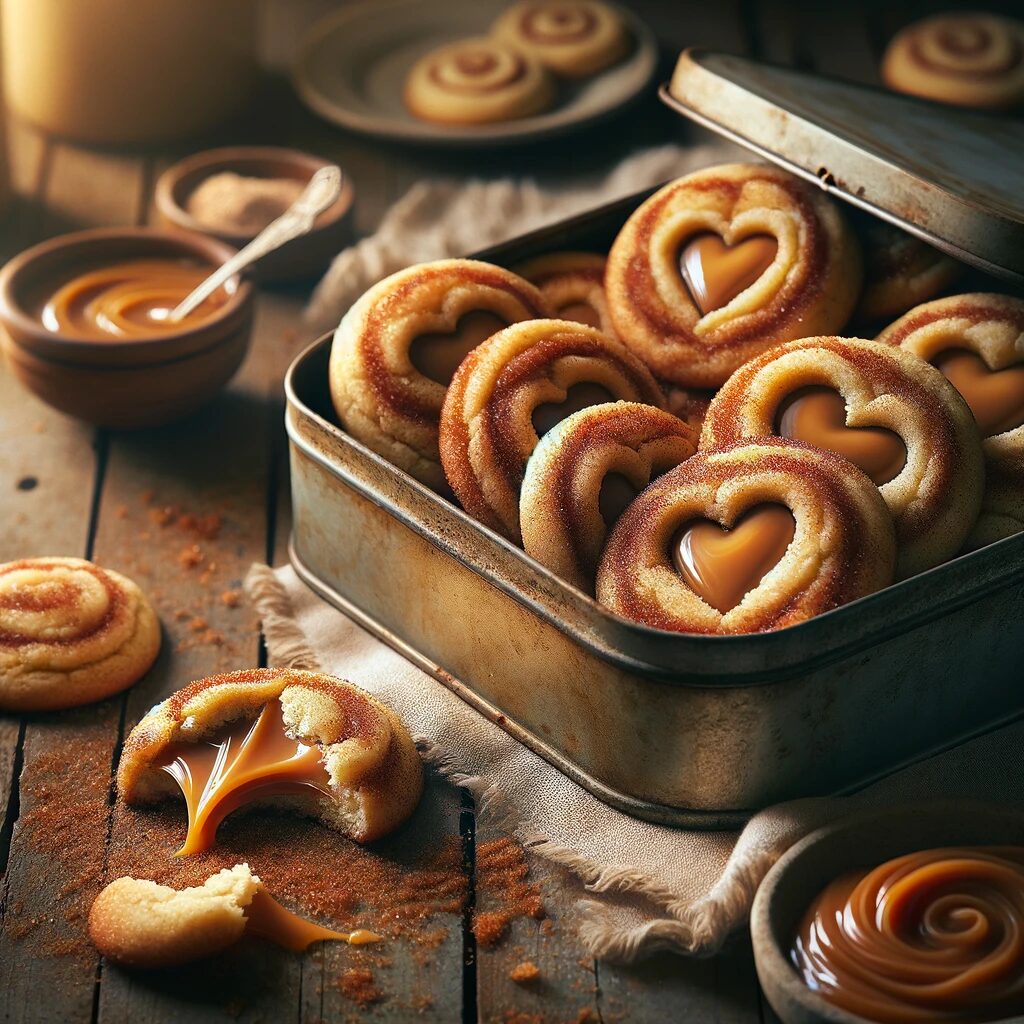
[[323, 189]]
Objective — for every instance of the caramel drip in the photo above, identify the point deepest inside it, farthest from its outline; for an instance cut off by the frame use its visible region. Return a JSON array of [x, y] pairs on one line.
[[616, 495], [581, 312], [250, 760], [715, 273], [268, 918], [128, 300], [578, 396], [996, 397], [931, 936], [817, 415], [438, 356], [722, 566]]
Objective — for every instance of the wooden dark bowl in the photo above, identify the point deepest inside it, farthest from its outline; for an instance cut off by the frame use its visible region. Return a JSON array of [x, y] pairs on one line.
[[300, 258], [126, 383], [862, 840]]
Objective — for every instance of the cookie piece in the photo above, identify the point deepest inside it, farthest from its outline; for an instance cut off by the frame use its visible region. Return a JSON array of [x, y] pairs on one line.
[[70, 633], [304, 740], [725, 263], [396, 349]]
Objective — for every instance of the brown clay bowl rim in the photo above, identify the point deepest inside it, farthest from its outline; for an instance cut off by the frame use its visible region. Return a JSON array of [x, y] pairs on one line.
[[860, 840], [91, 243], [170, 195]]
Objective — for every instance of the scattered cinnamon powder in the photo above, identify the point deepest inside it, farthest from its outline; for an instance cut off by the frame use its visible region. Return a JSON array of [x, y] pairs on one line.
[[191, 556], [524, 973], [356, 984], [231, 598], [490, 926], [501, 873]]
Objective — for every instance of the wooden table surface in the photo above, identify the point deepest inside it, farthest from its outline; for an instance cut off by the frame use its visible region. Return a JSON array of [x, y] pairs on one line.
[[138, 502]]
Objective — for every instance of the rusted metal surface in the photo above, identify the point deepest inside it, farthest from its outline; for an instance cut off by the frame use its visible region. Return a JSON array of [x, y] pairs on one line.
[[953, 177]]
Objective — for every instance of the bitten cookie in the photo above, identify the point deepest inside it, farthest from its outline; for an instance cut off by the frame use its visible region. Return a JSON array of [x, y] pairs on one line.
[[970, 59], [725, 263], [477, 81], [748, 538], [584, 474], [977, 341], [574, 38], [260, 735], [889, 412], [572, 284], [396, 349], [70, 633], [510, 391]]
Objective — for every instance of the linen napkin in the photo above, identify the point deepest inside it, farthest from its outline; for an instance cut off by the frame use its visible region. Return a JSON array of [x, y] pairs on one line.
[[644, 887]]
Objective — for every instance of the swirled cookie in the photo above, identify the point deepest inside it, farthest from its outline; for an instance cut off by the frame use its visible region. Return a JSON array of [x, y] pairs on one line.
[[477, 81], [574, 38], [977, 341], [898, 419], [970, 59], [260, 735], [900, 271], [748, 538], [510, 391], [572, 284], [70, 633], [396, 349], [725, 263], [583, 475]]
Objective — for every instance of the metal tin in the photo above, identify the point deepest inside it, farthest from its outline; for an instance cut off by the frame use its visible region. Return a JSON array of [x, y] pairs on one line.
[[677, 728]]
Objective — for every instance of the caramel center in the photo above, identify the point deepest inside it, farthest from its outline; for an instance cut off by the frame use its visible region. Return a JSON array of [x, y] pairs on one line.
[[249, 760], [616, 495], [578, 396], [722, 566], [996, 397], [437, 356], [817, 415], [269, 919], [581, 312], [715, 273]]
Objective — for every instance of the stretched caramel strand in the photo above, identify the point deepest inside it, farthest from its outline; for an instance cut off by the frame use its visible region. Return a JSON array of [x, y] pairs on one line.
[[931, 936]]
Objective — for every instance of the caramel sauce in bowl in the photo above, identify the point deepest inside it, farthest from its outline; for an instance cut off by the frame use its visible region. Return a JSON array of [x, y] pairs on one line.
[[84, 324], [912, 913]]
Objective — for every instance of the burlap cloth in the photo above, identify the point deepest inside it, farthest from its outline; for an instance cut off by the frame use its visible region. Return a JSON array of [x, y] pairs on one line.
[[643, 887]]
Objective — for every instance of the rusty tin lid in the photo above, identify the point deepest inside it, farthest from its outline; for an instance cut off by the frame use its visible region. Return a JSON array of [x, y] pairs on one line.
[[953, 177]]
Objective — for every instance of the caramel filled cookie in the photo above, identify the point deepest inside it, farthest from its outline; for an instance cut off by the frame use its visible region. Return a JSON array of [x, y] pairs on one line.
[[585, 473], [572, 284], [574, 38], [510, 391], [977, 341], [70, 633], [477, 81], [900, 271], [720, 265], [887, 411], [304, 740], [970, 59], [748, 538], [396, 349]]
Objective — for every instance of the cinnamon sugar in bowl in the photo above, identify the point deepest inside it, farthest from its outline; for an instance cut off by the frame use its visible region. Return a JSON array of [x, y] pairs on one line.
[[83, 318]]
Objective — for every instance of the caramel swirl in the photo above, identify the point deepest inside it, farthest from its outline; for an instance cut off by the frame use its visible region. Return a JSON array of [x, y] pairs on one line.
[[476, 66], [557, 23], [965, 46], [128, 300], [932, 936]]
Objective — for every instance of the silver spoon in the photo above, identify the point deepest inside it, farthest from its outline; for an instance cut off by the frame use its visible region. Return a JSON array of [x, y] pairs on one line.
[[323, 188]]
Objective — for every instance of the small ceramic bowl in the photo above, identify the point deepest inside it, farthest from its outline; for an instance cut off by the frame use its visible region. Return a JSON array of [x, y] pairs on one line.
[[860, 841], [300, 258], [134, 383]]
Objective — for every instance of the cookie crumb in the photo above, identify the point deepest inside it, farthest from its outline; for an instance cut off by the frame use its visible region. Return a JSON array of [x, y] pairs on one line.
[[231, 598], [490, 927], [357, 984], [525, 973]]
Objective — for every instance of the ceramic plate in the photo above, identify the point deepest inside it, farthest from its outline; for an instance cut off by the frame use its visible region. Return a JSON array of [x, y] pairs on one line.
[[353, 65]]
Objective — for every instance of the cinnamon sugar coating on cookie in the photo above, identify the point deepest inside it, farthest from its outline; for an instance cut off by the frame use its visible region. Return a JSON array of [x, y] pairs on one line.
[[374, 770], [843, 546], [572, 284], [809, 286], [936, 495], [488, 424]]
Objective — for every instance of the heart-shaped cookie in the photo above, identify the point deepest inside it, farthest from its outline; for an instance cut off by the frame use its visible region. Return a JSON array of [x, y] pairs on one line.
[[715, 272], [722, 566], [817, 415], [996, 397], [437, 356]]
